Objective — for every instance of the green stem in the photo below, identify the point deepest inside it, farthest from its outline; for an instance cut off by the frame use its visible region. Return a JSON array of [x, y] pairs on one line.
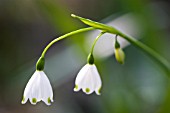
[[64, 36], [157, 57], [161, 60], [109, 29], [94, 43]]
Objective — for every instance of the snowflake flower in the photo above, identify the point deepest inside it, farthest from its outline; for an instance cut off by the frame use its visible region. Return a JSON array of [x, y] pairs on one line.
[[38, 88], [88, 79]]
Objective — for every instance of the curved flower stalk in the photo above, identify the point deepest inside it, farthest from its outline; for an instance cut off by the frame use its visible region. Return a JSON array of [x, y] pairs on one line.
[[88, 79], [109, 29], [127, 23], [119, 54], [38, 87]]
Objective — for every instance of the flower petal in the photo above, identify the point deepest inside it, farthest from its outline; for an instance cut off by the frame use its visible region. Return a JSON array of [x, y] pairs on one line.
[[81, 74], [46, 89], [24, 100], [98, 82], [88, 84], [76, 88], [29, 85]]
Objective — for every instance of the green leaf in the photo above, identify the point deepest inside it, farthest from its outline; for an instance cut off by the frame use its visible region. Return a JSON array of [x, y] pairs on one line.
[[96, 25]]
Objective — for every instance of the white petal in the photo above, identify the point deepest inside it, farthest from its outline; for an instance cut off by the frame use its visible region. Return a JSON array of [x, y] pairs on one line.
[[81, 74], [29, 84], [46, 89], [98, 82], [88, 84], [28, 87], [35, 91], [80, 77]]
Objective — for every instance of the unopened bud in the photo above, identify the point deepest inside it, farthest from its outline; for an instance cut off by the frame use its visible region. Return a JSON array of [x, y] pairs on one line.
[[119, 55]]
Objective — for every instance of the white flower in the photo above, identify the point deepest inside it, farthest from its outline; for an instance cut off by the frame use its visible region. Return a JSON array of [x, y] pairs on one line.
[[38, 88], [88, 79]]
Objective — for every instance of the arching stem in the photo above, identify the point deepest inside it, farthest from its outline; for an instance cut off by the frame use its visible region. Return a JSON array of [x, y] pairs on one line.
[[64, 36]]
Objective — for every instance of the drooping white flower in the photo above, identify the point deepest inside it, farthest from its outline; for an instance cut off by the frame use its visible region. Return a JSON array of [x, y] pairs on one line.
[[38, 88], [88, 79]]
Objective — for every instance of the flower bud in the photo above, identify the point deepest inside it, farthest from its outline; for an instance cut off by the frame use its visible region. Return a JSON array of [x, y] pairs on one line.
[[119, 55]]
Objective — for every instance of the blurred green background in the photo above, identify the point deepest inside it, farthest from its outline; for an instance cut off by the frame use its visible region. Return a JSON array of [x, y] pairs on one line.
[[27, 26]]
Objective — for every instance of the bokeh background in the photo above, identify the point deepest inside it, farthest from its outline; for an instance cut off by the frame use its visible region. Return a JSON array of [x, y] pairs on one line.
[[138, 86]]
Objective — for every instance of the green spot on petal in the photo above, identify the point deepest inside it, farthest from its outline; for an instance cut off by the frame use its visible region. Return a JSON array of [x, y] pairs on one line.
[[76, 87], [34, 100], [23, 99], [87, 90], [49, 100], [99, 90]]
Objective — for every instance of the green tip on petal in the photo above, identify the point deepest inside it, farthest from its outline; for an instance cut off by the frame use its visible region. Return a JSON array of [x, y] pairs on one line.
[[76, 87], [49, 100], [87, 90], [99, 90], [34, 100], [23, 99]]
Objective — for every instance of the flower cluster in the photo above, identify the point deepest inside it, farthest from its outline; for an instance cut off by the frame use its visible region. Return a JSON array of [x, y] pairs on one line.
[[88, 79]]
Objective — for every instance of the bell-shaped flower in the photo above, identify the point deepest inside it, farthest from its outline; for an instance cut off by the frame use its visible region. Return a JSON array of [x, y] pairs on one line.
[[38, 88], [88, 79]]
